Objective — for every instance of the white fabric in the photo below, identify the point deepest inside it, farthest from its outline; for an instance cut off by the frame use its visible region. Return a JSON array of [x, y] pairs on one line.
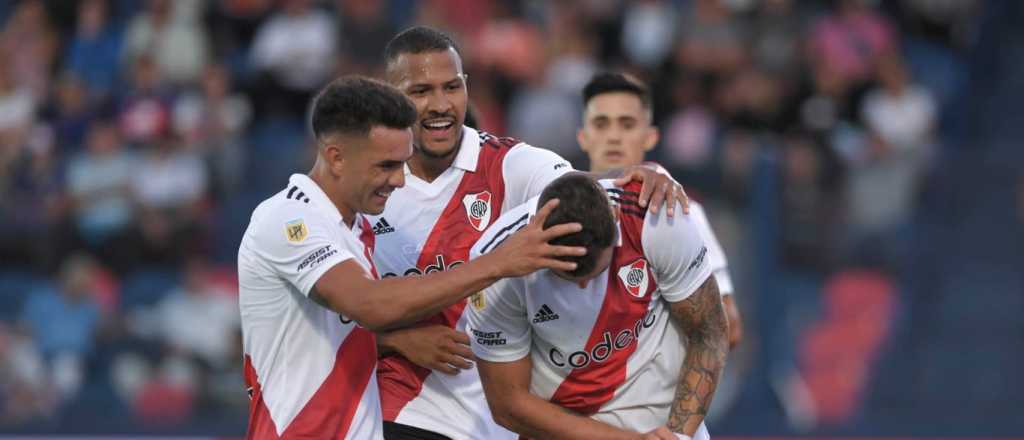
[[291, 340], [452, 405], [719, 263], [300, 49], [551, 320]]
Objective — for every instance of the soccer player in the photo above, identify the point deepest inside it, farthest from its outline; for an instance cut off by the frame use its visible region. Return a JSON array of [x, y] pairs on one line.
[[595, 341], [617, 130], [459, 180], [310, 296]]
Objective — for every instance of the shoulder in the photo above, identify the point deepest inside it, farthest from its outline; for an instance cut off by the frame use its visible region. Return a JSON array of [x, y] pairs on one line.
[[511, 221], [500, 143], [282, 220]]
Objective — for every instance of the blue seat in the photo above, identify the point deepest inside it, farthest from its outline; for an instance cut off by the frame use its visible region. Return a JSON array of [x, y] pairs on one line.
[[144, 288], [15, 287]]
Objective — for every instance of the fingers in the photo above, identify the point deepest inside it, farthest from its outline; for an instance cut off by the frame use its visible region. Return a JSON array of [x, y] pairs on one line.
[[670, 200], [460, 337], [550, 263], [458, 362], [462, 351], [682, 198], [566, 251], [629, 175], [646, 189], [543, 212], [659, 195], [444, 368], [560, 230]]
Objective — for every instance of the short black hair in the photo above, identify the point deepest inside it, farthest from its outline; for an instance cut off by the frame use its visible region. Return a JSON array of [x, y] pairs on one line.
[[610, 82], [416, 40], [583, 201], [352, 105]]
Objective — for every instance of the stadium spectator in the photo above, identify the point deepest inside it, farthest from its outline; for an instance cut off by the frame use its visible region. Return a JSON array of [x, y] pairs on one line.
[[212, 122], [168, 33], [70, 112], [95, 51], [293, 53], [198, 320], [63, 321], [145, 107], [98, 184], [17, 113], [28, 45]]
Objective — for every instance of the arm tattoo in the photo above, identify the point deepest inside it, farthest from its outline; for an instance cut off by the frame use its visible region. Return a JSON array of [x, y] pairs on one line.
[[703, 323]]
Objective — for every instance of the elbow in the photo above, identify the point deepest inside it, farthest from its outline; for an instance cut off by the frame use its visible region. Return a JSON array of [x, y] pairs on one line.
[[503, 416], [376, 318]]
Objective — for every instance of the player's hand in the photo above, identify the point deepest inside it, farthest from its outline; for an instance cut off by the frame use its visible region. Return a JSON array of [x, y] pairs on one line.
[[662, 433], [657, 190], [437, 347], [528, 250]]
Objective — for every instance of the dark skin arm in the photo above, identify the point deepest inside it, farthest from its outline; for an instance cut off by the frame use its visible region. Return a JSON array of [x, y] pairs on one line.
[[658, 189], [702, 320], [732, 314]]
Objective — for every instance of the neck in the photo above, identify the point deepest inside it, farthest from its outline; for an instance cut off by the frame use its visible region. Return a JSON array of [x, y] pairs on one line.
[[428, 166], [320, 175]]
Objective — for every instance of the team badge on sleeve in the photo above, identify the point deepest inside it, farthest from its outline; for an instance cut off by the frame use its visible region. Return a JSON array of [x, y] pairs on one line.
[[477, 300], [478, 209], [634, 277], [296, 231]]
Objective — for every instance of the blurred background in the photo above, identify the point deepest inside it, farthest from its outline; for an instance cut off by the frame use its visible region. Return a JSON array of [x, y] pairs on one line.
[[860, 161]]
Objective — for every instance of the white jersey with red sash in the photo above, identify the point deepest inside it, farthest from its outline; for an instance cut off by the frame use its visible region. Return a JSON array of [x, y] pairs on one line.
[[430, 226], [608, 350], [309, 371]]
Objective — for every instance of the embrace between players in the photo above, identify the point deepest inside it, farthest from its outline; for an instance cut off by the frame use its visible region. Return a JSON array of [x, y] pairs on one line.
[[594, 308]]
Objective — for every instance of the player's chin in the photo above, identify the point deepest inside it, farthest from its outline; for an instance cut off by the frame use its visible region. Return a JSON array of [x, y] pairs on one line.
[[437, 146], [375, 205]]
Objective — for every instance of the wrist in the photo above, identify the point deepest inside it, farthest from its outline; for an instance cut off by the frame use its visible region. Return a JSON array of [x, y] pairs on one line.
[[490, 267]]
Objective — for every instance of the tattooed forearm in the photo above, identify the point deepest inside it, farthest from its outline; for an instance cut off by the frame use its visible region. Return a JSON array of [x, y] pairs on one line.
[[703, 323]]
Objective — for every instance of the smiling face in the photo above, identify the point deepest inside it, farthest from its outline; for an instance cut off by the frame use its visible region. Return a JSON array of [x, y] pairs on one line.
[[435, 83], [370, 169], [616, 131]]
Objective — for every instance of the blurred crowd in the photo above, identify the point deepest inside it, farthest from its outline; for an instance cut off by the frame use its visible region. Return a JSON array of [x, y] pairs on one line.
[[136, 136]]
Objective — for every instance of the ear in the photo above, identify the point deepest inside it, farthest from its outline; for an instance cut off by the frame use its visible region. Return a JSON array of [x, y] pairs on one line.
[[653, 135], [579, 139], [334, 156]]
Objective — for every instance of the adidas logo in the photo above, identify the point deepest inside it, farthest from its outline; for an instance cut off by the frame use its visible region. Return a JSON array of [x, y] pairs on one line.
[[544, 315], [382, 227]]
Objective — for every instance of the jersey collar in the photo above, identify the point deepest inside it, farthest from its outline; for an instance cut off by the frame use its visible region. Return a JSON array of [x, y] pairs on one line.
[[469, 151], [319, 199]]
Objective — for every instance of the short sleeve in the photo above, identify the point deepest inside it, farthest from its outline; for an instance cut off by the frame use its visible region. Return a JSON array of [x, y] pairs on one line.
[[527, 170], [507, 224], [719, 262], [497, 325], [677, 252], [300, 249]]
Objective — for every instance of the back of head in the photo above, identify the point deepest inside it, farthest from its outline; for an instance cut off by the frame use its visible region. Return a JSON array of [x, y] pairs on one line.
[[352, 105], [612, 82], [417, 40], [583, 201]]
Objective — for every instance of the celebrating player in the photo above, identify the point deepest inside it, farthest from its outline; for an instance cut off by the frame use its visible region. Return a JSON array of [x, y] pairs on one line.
[[595, 341], [616, 132], [459, 181], [309, 294]]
